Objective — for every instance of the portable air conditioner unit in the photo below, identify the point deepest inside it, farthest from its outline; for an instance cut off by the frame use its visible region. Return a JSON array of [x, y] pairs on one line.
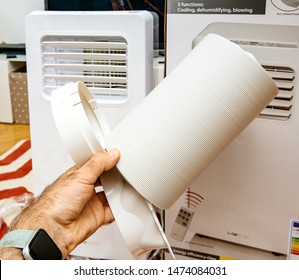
[[251, 191], [112, 53]]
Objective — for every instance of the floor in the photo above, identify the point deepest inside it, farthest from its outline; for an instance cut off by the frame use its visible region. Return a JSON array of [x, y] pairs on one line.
[[10, 134]]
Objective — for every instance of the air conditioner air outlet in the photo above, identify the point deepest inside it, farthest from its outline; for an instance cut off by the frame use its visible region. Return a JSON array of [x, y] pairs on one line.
[[98, 61], [280, 72], [280, 107]]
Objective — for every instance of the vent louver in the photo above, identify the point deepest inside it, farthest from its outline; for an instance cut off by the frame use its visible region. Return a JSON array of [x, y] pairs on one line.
[[98, 61], [281, 106]]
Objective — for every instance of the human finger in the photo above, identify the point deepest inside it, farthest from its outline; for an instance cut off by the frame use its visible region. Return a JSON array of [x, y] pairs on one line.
[[97, 164]]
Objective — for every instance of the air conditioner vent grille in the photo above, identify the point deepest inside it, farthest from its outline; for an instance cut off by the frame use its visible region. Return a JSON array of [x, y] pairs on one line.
[[98, 61], [280, 108]]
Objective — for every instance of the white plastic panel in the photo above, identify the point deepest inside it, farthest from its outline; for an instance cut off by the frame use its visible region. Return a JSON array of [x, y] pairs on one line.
[[98, 61]]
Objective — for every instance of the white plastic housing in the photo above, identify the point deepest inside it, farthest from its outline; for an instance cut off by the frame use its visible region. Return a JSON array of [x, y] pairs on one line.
[[49, 155]]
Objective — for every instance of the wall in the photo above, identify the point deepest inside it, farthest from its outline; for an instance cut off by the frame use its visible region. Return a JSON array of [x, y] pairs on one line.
[[12, 18]]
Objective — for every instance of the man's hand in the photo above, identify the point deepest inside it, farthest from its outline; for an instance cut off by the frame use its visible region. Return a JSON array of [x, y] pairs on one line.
[[70, 210]]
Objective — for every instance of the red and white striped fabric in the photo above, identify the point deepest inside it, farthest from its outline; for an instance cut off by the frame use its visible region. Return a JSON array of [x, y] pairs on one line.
[[15, 182]]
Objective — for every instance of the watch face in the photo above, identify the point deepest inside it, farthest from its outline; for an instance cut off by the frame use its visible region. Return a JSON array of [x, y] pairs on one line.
[[42, 247]]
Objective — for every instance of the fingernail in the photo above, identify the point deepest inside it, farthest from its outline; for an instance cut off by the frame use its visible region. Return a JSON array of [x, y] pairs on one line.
[[114, 153]]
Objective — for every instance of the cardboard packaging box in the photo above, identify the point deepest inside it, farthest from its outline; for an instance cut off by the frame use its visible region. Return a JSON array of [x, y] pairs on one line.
[[206, 248], [249, 194], [19, 96], [6, 67]]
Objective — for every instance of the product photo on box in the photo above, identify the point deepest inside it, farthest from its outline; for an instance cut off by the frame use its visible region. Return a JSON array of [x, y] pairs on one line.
[[249, 194]]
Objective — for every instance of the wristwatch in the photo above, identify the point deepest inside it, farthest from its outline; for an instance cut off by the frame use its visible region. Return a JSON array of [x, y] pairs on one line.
[[35, 244]]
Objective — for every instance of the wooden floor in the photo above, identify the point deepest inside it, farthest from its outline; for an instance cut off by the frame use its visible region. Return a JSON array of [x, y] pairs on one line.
[[10, 134]]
